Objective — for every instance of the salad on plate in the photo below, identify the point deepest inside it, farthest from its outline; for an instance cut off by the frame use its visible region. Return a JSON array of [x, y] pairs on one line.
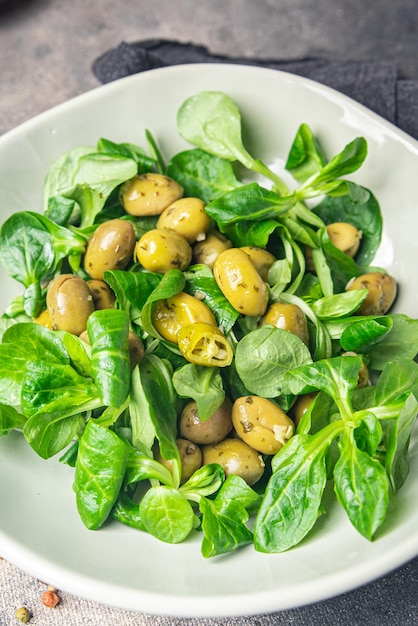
[[206, 340]]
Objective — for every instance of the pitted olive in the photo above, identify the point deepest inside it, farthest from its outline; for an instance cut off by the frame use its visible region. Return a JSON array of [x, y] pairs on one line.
[[69, 303], [211, 430], [288, 317], [103, 296], [190, 456], [44, 319], [163, 250], [345, 237], [149, 194], [110, 248], [207, 250], [235, 457], [261, 259], [382, 292], [180, 310], [187, 217], [301, 405], [240, 282], [261, 424]]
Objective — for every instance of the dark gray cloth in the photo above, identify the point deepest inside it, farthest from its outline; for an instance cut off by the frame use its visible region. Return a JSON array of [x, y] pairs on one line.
[[376, 84]]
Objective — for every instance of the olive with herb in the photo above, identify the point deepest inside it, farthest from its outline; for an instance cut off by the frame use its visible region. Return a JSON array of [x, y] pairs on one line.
[[160, 250], [382, 292], [235, 457], [109, 248], [261, 424], [149, 194]]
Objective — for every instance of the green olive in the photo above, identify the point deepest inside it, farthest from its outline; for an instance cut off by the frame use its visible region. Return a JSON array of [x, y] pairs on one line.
[[149, 194], [240, 282], [211, 430], [301, 405], [109, 248], [170, 315], [190, 457], [163, 250], [382, 292], [261, 424], [103, 296], [345, 237], [235, 457], [207, 250], [261, 259], [288, 317], [187, 217], [69, 303]]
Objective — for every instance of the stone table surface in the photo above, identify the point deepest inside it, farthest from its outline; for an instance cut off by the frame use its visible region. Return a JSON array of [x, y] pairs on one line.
[[47, 48]]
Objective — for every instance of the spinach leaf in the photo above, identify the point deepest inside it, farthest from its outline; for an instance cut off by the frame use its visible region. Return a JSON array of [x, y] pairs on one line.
[[397, 377], [248, 202], [305, 157], [264, 357], [129, 151], [53, 387], [204, 482], [211, 121], [224, 526], [132, 289], [108, 334], [364, 335], [50, 433], [203, 385], [10, 419], [292, 500], [24, 342], [201, 283], [361, 486], [171, 283], [366, 216], [126, 511], [339, 305], [202, 175], [401, 342], [99, 471], [396, 460], [166, 514]]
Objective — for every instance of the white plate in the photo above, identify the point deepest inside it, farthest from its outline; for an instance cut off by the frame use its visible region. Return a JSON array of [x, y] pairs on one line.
[[39, 527]]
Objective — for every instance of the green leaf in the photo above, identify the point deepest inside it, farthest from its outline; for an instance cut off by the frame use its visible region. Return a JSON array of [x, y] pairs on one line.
[[203, 385], [50, 433], [99, 471], [305, 157], [292, 500], [364, 335], [108, 334], [401, 342], [166, 514], [201, 283], [224, 526], [396, 462], [339, 304], [202, 175], [263, 358], [126, 511], [10, 419], [361, 486]]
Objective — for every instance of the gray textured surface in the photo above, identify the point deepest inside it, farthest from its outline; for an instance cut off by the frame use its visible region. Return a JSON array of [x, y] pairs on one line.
[[47, 48]]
